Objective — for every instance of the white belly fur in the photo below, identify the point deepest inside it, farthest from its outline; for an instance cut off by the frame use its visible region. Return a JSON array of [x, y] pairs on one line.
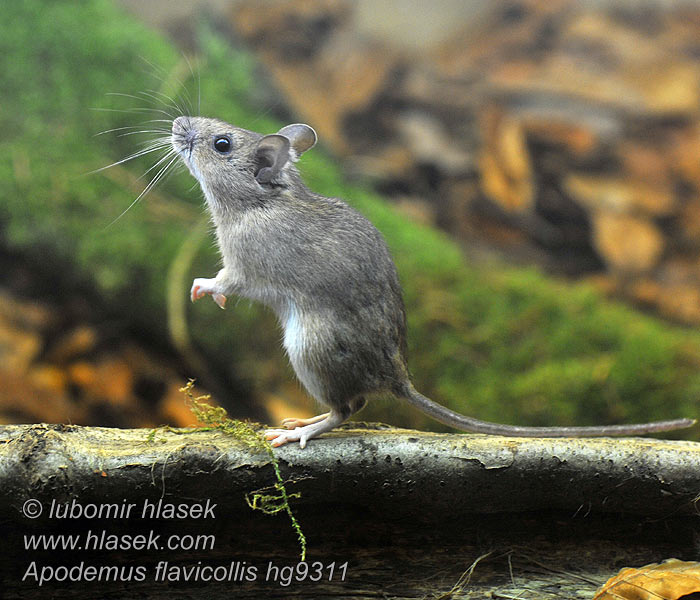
[[296, 339]]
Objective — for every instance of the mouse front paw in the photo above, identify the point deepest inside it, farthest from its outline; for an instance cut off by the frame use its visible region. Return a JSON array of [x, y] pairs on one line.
[[202, 287]]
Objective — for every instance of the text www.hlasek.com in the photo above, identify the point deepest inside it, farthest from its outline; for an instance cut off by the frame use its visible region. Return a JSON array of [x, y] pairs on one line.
[[102, 540]]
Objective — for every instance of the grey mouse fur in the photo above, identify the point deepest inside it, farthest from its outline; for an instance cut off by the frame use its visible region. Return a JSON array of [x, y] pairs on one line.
[[325, 271]]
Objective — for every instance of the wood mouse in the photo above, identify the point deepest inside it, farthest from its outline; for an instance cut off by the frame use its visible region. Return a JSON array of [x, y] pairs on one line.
[[325, 271]]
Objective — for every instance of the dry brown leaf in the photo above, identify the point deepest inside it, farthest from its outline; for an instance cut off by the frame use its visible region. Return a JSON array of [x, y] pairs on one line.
[[669, 580]]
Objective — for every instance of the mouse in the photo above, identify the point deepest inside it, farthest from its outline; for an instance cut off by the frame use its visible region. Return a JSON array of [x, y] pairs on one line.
[[327, 274]]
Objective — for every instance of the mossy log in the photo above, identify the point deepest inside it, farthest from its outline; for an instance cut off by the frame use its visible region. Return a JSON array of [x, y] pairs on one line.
[[403, 507]]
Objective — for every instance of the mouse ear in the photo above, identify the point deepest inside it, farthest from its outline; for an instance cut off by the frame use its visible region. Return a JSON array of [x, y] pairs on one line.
[[271, 154], [301, 136]]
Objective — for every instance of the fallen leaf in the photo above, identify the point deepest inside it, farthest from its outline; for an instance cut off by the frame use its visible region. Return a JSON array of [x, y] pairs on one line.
[[669, 580]]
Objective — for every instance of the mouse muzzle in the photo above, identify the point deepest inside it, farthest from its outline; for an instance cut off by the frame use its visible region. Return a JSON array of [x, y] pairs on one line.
[[183, 136]]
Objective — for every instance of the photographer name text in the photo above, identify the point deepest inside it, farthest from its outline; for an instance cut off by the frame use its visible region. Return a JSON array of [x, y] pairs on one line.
[[148, 509]]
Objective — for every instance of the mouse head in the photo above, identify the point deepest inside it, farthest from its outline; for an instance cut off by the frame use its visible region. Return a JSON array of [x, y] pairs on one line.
[[223, 157]]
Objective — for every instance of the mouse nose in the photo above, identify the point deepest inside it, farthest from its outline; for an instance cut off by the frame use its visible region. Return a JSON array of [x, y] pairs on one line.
[[179, 125]]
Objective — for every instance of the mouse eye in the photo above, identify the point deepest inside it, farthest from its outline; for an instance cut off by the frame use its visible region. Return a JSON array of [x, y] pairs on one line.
[[222, 144]]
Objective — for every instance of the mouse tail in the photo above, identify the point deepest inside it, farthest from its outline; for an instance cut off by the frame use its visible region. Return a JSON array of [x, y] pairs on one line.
[[453, 419]]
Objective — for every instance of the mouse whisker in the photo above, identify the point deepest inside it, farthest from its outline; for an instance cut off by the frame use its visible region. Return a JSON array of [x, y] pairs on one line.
[[199, 86], [161, 142], [163, 99], [155, 101], [151, 184], [156, 69], [141, 124], [160, 161], [161, 139], [129, 111], [166, 78], [152, 148], [143, 131], [170, 101], [117, 129], [169, 121], [150, 98], [124, 95]]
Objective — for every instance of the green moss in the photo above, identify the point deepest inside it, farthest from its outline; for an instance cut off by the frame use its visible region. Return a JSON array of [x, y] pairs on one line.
[[270, 500], [495, 342]]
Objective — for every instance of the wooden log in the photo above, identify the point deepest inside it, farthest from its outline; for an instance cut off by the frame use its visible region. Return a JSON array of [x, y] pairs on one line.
[[383, 471], [407, 511]]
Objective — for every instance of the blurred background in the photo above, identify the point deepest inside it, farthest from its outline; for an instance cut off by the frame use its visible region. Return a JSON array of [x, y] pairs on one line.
[[534, 166]]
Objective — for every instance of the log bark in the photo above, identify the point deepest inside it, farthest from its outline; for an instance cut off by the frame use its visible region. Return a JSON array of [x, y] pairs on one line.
[[409, 512], [382, 470]]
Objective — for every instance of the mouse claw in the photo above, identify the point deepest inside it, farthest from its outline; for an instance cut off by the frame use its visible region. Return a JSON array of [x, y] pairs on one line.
[[276, 437], [220, 299], [202, 287]]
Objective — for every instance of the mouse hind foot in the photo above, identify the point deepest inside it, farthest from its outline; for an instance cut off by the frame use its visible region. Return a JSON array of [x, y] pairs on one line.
[[302, 430], [319, 425], [293, 423]]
